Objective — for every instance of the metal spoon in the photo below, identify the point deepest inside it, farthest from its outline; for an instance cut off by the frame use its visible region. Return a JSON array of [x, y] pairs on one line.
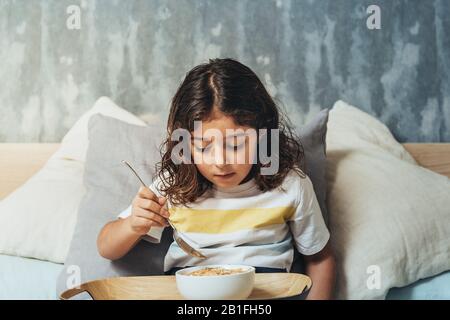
[[181, 243]]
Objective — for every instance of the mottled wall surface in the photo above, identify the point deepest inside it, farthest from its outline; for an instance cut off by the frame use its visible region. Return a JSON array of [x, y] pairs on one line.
[[309, 54]]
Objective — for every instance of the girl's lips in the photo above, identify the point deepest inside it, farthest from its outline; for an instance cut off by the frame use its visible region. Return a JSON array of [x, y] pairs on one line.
[[226, 176]]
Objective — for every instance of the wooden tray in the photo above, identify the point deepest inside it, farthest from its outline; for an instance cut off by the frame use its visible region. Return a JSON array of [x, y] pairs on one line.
[[267, 286]]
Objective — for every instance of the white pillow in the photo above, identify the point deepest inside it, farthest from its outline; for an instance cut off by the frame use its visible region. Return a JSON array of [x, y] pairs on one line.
[[75, 143], [389, 218], [38, 219]]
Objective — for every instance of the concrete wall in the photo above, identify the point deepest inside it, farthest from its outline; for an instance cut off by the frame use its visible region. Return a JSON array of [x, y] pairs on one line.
[[309, 54]]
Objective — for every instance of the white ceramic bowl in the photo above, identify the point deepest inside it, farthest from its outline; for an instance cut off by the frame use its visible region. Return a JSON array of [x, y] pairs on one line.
[[216, 287]]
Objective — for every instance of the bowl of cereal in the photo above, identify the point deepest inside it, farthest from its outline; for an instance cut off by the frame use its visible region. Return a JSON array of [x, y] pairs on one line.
[[216, 282]]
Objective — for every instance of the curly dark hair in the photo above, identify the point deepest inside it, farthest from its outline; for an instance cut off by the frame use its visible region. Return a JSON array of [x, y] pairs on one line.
[[236, 91]]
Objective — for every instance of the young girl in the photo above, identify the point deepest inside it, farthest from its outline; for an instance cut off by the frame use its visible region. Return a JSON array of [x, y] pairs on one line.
[[234, 212]]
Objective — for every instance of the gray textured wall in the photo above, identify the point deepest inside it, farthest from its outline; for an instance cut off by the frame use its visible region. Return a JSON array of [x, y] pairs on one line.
[[309, 54]]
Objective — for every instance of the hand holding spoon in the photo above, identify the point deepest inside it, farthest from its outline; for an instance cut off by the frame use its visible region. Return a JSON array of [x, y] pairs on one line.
[[181, 243]]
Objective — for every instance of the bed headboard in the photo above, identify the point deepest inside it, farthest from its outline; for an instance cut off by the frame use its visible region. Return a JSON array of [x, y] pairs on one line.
[[433, 156], [19, 161]]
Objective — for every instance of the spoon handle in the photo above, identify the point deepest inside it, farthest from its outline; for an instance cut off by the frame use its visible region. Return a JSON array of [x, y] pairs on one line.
[[135, 173]]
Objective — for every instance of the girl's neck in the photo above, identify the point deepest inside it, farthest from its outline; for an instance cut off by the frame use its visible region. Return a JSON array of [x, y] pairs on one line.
[[243, 188]]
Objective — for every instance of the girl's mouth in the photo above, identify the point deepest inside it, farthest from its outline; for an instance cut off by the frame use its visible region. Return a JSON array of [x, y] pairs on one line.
[[226, 176]]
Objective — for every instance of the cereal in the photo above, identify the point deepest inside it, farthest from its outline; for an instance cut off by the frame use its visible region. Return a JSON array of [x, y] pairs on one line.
[[215, 271]]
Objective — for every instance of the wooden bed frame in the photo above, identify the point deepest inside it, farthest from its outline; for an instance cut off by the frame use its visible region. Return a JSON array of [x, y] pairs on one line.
[[19, 161]]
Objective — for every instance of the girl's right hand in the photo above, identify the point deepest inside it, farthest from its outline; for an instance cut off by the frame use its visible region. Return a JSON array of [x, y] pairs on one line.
[[147, 211]]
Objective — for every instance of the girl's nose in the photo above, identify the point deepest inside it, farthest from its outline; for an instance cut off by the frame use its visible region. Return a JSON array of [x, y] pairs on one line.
[[220, 159], [218, 155]]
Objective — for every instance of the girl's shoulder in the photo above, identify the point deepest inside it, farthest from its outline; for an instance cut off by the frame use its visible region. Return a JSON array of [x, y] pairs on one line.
[[298, 184], [296, 178]]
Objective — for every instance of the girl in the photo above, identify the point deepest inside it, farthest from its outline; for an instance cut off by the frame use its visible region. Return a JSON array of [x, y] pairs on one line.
[[234, 212]]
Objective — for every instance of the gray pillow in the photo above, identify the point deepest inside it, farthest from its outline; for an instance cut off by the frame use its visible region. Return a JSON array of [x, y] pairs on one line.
[[110, 187], [313, 138]]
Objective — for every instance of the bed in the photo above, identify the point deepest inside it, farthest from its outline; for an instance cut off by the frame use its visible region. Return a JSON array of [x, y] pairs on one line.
[[23, 278]]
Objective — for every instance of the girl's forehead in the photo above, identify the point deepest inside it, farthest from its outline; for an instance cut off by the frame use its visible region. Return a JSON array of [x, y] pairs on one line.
[[220, 122], [226, 128], [217, 115], [217, 121]]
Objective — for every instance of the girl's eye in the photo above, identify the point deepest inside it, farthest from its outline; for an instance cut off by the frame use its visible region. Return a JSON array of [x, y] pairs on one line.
[[235, 148], [201, 149]]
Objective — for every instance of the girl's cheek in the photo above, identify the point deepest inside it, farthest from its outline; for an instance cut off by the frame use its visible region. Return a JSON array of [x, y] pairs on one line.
[[209, 157], [251, 152], [197, 156]]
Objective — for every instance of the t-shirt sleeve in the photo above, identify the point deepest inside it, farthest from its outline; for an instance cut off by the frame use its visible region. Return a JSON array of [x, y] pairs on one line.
[[307, 225], [155, 233]]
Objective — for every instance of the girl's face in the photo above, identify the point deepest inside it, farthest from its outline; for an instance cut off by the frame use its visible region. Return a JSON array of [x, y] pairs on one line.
[[220, 164]]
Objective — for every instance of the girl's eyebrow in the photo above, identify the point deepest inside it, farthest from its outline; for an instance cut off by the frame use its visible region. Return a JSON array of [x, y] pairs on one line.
[[199, 138], [239, 134]]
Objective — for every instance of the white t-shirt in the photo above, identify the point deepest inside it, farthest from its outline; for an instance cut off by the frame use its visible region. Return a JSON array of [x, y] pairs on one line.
[[243, 225]]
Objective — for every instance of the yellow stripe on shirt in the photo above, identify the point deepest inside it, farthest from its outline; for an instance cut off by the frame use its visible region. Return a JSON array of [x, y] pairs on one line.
[[222, 221]]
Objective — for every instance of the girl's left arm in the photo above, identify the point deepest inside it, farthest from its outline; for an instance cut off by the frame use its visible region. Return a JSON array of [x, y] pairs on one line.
[[312, 240], [321, 268]]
